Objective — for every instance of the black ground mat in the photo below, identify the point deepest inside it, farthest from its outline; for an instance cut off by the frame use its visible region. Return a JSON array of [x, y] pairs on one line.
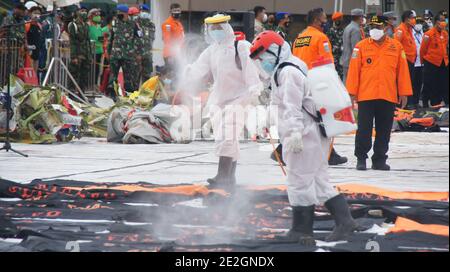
[[63, 215]]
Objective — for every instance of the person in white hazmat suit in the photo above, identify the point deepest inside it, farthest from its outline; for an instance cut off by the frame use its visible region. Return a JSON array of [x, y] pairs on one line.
[[236, 84], [306, 150]]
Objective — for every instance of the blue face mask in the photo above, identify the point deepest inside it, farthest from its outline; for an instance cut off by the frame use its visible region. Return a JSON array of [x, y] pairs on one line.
[[268, 66], [218, 35], [167, 82]]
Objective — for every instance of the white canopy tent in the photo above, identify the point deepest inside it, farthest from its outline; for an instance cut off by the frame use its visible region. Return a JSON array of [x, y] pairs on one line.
[[59, 3]]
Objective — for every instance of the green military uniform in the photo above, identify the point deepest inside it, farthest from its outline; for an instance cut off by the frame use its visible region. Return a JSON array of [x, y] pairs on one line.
[[283, 33], [146, 42], [80, 50], [2, 16], [124, 49], [18, 38], [336, 36], [270, 27]]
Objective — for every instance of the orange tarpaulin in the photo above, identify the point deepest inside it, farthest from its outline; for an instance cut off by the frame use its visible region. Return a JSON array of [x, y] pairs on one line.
[[404, 225], [189, 190], [358, 188], [194, 189], [267, 187], [366, 189]]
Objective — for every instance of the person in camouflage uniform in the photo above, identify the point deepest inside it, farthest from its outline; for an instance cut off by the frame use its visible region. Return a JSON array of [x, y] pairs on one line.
[[3, 14], [125, 51], [284, 21], [80, 50], [148, 30], [16, 33], [336, 35]]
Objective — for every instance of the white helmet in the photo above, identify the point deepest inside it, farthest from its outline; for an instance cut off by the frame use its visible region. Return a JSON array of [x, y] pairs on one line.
[[30, 4]]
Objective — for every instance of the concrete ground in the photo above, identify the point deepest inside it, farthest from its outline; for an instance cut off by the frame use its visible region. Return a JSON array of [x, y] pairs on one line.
[[420, 162]]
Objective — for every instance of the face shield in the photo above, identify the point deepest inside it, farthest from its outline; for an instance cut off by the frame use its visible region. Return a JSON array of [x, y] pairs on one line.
[[218, 30]]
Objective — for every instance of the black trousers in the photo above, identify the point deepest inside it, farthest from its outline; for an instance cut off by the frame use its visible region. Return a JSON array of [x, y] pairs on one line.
[[411, 73], [383, 113], [435, 89], [417, 83]]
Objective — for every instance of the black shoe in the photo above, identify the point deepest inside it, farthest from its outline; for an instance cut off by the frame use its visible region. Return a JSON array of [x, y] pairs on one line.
[[280, 155], [336, 159], [345, 224], [225, 176], [381, 166], [302, 226], [361, 165]]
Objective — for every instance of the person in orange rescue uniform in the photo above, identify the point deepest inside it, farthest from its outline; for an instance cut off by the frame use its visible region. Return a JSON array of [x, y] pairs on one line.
[[404, 34], [434, 56], [173, 34], [311, 45], [378, 75]]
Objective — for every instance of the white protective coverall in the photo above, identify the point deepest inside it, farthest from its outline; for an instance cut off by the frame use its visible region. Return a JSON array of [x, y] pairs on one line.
[[308, 179], [232, 91]]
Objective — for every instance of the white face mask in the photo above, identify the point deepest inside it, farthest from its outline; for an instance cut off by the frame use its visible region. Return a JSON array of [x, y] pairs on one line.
[[265, 18], [364, 21], [35, 16], [376, 34], [418, 27], [145, 15]]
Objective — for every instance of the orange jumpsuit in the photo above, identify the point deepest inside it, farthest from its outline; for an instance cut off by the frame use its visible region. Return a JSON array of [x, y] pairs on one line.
[[434, 47], [379, 72], [405, 37], [434, 55], [173, 36], [377, 75], [311, 45]]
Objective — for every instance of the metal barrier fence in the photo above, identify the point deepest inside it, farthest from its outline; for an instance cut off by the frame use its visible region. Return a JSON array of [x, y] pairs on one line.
[[16, 61], [59, 77]]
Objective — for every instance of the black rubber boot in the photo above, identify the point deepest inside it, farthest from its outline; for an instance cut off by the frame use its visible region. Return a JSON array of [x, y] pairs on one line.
[[336, 159], [225, 177], [361, 165], [302, 226], [345, 224], [380, 166], [279, 150]]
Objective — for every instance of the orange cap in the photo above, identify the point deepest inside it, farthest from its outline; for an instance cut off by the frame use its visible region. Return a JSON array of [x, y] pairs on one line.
[[337, 16]]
